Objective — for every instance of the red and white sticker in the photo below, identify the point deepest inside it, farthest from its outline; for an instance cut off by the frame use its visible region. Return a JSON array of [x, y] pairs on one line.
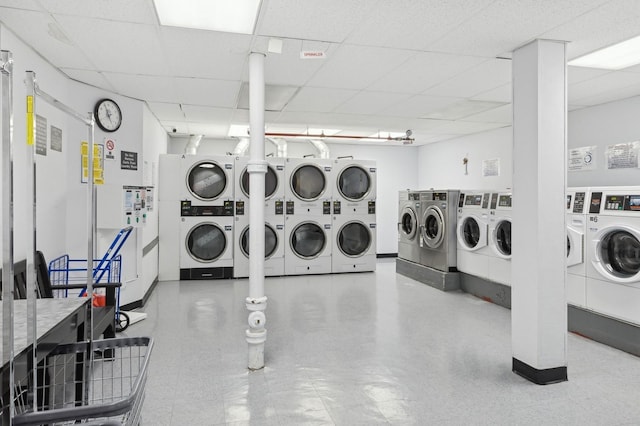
[[312, 54]]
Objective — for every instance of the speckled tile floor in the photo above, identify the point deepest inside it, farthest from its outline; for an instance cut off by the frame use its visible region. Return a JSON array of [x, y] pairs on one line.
[[363, 349]]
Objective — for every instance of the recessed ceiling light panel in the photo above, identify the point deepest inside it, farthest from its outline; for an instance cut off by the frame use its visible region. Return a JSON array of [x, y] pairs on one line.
[[615, 57], [232, 16]]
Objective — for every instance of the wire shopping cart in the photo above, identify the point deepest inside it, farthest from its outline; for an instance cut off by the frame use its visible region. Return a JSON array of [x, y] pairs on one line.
[[64, 271], [74, 387]]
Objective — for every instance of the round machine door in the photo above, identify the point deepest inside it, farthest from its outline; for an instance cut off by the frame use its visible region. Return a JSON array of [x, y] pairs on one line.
[[354, 183], [575, 246], [432, 227], [270, 241], [472, 233], [308, 182], [408, 225], [501, 238], [206, 242], [206, 180], [354, 239], [617, 254], [270, 182], [308, 240]]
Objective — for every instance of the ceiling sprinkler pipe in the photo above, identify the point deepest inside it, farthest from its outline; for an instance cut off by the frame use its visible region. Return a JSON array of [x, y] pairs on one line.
[[323, 149], [242, 147], [193, 144], [281, 146]]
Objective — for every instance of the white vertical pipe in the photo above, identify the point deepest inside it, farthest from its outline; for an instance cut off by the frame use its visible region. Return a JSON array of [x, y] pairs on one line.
[[257, 168]]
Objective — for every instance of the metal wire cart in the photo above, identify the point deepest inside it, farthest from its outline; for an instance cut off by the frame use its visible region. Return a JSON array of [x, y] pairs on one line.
[[75, 384]]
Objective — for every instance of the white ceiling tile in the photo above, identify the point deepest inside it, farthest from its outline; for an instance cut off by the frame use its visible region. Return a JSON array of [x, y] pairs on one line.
[[318, 99], [198, 91], [419, 106], [424, 70], [367, 102], [608, 87], [486, 76], [117, 46], [205, 54], [502, 114], [356, 67], [580, 74], [143, 87], [462, 109], [20, 4], [93, 78], [275, 97], [575, 107], [326, 20], [114, 10], [465, 127], [207, 114], [166, 111], [499, 94]]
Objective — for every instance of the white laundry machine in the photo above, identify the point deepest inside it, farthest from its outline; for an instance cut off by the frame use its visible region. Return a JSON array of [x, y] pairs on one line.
[[355, 187], [408, 224], [206, 234], [207, 179], [438, 222], [473, 233], [308, 244], [500, 237], [354, 243], [613, 253], [274, 218], [576, 219], [309, 186]]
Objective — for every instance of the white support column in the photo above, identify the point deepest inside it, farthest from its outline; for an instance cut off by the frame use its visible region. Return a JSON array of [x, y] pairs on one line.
[[257, 169], [538, 300]]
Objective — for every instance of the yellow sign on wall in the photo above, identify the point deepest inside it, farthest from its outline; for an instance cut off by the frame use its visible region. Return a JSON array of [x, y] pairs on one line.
[[98, 162]]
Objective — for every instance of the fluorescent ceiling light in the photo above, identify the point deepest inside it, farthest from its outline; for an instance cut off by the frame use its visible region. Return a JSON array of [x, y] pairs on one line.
[[233, 16], [616, 57]]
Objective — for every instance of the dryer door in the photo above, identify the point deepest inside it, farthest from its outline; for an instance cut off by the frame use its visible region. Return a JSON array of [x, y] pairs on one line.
[[206, 180], [575, 246], [408, 226], [354, 183], [432, 227], [270, 182], [617, 255], [501, 238], [270, 241], [206, 242], [472, 233], [354, 239], [308, 240], [308, 182]]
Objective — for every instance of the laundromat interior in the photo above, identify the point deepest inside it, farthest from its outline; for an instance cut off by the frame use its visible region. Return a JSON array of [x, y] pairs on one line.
[[399, 146]]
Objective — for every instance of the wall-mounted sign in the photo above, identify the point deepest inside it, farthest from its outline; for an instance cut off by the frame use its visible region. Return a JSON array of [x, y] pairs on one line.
[[491, 167], [312, 54], [41, 135], [98, 163], [582, 159], [128, 160], [110, 148], [623, 155], [56, 139]]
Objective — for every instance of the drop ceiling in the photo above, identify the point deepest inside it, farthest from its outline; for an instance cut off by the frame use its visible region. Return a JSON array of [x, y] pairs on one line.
[[439, 68]]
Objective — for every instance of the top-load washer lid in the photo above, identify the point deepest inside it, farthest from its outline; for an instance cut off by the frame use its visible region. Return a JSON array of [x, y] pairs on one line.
[[408, 225], [308, 182], [206, 180], [270, 241], [619, 251], [270, 182], [433, 227], [472, 234], [308, 240], [354, 239], [502, 238], [354, 183], [206, 242]]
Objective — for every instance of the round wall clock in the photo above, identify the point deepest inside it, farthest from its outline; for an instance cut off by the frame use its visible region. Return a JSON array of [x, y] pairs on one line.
[[108, 115]]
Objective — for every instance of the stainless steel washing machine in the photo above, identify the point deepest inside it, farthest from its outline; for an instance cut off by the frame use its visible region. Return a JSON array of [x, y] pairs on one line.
[[438, 220], [408, 224]]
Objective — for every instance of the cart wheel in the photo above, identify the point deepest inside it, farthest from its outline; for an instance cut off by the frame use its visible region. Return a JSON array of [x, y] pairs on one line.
[[122, 321]]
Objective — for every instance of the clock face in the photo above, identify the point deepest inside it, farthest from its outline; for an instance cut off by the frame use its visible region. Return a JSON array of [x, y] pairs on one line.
[[108, 115]]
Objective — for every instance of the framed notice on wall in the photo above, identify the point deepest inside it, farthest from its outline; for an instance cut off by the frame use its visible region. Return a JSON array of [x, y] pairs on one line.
[[491, 167], [582, 159], [623, 155]]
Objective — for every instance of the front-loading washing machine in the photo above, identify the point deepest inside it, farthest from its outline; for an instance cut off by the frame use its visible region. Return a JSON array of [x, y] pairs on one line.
[[309, 186], [308, 244], [355, 187], [354, 243], [274, 218], [206, 234], [613, 253], [438, 222], [473, 233], [207, 179], [576, 220], [500, 237], [408, 224]]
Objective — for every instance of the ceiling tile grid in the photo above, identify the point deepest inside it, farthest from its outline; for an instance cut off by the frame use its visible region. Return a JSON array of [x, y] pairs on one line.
[[368, 102], [141, 12], [318, 99], [488, 75], [199, 91]]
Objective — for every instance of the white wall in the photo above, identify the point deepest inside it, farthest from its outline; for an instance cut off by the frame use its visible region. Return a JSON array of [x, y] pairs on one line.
[[441, 164], [601, 126]]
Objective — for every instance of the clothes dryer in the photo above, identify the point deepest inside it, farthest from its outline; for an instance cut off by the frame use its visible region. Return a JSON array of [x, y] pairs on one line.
[[473, 233], [576, 219], [354, 243], [408, 224], [500, 237], [308, 247], [309, 188], [355, 187], [438, 222], [206, 234], [613, 253], [208, 180]]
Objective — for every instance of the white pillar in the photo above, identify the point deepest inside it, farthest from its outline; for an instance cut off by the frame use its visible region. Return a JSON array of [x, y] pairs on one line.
[[257, 169], [539, 303]]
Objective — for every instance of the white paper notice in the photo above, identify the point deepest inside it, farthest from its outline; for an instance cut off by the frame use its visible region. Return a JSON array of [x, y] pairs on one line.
[[491, 167], [623, 155], [582, 159]]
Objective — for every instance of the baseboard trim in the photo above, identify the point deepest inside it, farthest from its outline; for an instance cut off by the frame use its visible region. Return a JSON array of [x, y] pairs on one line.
[[604, 329], [546, 376], [140, 303]]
